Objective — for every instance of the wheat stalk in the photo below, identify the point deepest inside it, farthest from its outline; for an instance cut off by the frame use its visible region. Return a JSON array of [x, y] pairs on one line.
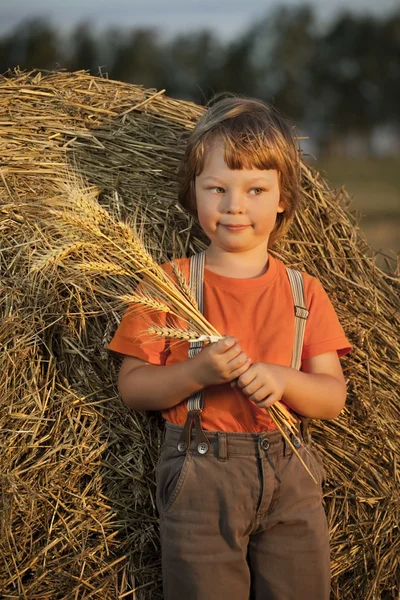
[[103, 267], [145, 301], [172, 332], [183, 284], [79, 216]]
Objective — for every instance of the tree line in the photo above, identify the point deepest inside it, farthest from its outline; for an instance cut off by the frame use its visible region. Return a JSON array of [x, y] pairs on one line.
[[347, 74]]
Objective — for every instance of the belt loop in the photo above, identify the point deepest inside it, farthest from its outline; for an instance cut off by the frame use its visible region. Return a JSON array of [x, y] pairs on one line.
[[222, 446]]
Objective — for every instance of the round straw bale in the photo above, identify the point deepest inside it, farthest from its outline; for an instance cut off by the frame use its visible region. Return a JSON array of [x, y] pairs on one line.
[[78, 517]]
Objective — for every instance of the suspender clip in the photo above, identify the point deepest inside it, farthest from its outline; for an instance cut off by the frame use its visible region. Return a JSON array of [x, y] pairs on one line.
[[202, 443], [300, 312]]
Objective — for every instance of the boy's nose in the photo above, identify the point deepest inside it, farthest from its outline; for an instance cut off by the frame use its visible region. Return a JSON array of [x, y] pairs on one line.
[[235, 203]]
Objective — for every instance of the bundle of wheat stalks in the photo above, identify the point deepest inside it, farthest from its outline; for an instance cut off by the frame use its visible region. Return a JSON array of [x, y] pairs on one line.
[[82, 237], [78, 518]]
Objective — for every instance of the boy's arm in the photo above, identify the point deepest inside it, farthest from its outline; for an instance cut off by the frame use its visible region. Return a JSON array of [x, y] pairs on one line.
[[318, 391], [144, 386]]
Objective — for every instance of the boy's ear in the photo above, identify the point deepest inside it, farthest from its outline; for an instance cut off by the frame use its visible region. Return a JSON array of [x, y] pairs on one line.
[[281, 206]]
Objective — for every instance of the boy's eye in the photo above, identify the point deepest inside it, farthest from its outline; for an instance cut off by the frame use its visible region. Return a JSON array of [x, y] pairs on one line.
[[217, 190], [256, 191]]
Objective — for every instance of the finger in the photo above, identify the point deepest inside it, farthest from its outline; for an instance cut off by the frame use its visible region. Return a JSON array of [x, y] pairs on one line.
[[232, 353], [238, 372], [260, 395], [247, 377], [225, 344], [237, 362], [253, 387], [269, 400]]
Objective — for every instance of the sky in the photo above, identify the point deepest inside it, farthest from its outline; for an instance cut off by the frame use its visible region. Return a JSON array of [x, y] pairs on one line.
[[225, 17]]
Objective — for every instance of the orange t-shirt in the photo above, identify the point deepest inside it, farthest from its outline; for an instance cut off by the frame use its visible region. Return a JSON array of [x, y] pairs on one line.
[[260, 313]]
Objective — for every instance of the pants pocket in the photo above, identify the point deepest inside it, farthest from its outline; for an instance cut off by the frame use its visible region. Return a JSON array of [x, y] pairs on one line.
[[171, 474], [318, 463]]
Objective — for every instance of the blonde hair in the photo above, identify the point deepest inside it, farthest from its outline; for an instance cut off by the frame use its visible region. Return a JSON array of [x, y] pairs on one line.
[[254, 135]]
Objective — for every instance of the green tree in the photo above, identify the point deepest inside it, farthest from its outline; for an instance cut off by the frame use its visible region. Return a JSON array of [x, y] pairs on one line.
[[285, 44], [349, 75], [32, 44], [85, 52], [139, 59], [189, 64], [389, 45], [236, 71]]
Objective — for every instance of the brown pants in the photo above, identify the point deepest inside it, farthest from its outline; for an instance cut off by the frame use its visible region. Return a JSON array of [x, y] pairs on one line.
[[243, 521]]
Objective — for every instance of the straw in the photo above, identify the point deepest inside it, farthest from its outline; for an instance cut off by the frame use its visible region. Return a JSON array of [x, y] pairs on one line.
[[78, 516]]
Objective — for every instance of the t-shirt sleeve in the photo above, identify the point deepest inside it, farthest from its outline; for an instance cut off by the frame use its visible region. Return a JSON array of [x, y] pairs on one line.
[[323, 331], [132, 338]]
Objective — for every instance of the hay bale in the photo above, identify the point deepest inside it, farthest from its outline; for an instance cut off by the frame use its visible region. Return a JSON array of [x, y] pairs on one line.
[[77, 466]]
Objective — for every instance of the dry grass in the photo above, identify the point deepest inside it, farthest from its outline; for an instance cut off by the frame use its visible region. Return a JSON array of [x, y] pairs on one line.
[[77, 467], [77, 231]]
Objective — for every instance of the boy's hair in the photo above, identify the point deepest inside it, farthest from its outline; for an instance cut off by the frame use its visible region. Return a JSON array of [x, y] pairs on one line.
[[254, 135]]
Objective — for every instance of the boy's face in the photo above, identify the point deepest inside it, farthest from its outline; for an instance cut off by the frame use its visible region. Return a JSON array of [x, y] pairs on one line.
[[237, 209]]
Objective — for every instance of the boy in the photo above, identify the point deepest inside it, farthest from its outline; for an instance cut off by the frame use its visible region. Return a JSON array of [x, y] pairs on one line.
[[243, 519]]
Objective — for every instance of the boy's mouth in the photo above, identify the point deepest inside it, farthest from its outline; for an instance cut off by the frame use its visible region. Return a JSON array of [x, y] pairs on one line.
[[234, 227]]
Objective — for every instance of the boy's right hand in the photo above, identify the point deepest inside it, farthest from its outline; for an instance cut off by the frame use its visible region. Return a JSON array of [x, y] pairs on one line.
[[220, 362]]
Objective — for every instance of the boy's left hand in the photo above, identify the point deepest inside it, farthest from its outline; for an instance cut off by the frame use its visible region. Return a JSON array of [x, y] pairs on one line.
[[263, 383]]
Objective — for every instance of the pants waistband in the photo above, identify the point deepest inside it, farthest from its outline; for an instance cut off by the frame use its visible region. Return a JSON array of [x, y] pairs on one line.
[[225, 443]]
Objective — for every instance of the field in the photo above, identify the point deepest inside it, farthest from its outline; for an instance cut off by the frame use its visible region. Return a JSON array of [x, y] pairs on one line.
[[374, 187]]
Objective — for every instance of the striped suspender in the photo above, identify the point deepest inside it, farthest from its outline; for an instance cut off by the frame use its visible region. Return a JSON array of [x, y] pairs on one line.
[[300, 314], [196, 402], [197, 263]]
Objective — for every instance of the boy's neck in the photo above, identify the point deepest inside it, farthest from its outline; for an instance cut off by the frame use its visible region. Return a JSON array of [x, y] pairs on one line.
[[238, 265]]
